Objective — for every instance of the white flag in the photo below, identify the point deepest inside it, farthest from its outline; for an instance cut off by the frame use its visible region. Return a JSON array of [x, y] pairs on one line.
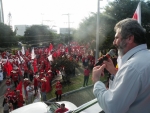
[[50, 58], [23, 51], [33, 54]]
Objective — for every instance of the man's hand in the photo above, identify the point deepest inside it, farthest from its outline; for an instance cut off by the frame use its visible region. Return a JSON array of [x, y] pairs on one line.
[[110, 66], [97, 72]]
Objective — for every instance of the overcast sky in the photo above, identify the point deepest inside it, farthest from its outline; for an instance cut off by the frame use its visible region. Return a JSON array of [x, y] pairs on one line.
[[52, 12]]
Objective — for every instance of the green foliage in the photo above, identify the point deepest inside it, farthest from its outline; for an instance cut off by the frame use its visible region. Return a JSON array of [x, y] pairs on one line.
[[38, 34], [113, 12], [6, 35], [60, 62]]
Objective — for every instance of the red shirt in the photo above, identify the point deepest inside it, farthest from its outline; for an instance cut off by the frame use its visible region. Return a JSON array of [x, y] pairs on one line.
[[20, 100], [58, 88], [15, 76], [61, 110], [43, 86], [9, 95], [86, 72]]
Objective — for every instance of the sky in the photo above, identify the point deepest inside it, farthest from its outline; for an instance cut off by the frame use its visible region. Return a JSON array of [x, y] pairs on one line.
[[53, 13]]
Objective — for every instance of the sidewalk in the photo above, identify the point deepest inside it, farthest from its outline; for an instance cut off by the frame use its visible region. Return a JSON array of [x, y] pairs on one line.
[[2, 92]]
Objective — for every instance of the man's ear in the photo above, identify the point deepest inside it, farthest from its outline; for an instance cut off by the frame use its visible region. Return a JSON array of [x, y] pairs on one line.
[[131, 39]]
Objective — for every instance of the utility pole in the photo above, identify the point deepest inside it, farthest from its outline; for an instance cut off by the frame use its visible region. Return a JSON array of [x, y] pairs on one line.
[[10, 20], [97, 33], [1, 12], [68, 24]]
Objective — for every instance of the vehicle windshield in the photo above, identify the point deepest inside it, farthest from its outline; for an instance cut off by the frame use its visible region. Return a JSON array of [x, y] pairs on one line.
[[52, 106]]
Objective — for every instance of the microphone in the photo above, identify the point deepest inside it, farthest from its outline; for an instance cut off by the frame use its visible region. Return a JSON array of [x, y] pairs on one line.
[[111, 53]]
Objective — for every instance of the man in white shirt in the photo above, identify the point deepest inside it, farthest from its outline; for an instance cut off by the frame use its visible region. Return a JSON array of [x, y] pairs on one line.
[[30, 93], [129, 90]]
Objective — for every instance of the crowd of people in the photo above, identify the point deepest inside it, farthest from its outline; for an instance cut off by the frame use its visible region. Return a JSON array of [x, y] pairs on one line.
[[31, 72]]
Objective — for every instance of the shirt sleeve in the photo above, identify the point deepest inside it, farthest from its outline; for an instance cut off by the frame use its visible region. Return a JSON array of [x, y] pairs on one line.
[[122, 92]]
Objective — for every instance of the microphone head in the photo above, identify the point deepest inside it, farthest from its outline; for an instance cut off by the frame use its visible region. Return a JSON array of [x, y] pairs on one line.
[[112, 53]]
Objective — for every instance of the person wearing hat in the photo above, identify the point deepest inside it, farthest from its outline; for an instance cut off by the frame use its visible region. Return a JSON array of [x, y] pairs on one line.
[[15, 78]]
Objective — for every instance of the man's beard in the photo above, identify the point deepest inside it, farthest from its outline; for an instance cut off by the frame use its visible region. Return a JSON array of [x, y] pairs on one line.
[[121, 47]]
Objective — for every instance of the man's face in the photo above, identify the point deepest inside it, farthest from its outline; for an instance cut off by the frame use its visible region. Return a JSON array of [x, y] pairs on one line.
[[120, 43]]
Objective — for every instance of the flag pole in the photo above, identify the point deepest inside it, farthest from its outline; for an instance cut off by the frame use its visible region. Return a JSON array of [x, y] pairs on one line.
[[97, 33], [139, 20]]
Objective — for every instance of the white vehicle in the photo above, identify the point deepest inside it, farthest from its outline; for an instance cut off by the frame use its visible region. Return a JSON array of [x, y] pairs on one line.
[[50, 107], [42, 107]]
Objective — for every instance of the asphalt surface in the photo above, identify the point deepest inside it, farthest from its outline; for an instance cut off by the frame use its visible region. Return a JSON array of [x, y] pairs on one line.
[[2, 92]]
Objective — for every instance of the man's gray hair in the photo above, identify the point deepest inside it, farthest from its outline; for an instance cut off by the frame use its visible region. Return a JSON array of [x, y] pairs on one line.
[[129, 27]]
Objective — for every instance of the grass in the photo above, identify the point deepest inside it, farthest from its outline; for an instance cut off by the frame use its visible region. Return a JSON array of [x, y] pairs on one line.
[[76, 83]]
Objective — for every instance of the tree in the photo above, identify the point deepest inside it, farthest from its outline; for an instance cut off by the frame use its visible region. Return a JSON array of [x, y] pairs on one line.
[[6, 35], [113, 12], [39, 34], [125, 9], [67, 63]]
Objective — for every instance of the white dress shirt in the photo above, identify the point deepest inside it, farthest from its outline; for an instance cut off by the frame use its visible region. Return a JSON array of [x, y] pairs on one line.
[[129, 92]]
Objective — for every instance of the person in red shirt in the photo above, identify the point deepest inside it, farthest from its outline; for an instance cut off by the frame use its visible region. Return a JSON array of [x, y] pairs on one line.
[[8, 95], [58, 92], [14, 75], [86, 76], [62, 109], [14, 100], [20, 100], [35, 83]]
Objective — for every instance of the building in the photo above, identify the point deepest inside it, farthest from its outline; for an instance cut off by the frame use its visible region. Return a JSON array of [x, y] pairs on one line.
[[1, 12], [66, 30], [20, 29]]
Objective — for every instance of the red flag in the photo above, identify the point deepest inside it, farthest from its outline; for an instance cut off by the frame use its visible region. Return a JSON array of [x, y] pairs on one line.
[[27, 52], [8, 67], [137, 13]]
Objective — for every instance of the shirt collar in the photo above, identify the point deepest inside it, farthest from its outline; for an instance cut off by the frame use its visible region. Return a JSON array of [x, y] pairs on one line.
[[131, 52]]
